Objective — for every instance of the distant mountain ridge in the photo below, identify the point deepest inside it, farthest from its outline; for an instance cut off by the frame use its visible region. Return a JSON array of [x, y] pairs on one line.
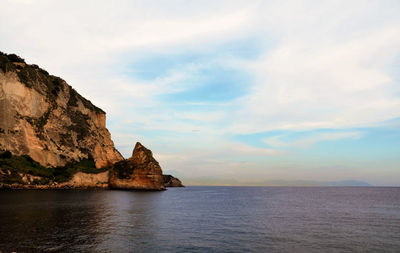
[[214, 181]]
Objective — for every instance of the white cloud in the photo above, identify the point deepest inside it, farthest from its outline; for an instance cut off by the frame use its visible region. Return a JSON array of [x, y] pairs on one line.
[[320, 65], [323, 66], [312, 139], [322, 72], [242, 149]]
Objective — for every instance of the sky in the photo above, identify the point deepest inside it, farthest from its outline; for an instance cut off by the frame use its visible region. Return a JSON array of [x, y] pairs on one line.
[[231, 92]]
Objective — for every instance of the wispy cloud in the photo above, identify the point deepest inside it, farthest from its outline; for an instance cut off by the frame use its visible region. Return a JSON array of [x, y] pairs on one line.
[[238, 68], [310, 140], [323, 73]]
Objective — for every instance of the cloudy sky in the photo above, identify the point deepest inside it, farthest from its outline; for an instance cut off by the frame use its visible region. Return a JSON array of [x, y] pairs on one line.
[[231, 91]]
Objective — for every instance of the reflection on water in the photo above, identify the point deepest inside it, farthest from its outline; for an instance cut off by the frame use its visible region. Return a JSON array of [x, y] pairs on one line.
[[76, 221], [202, 219]]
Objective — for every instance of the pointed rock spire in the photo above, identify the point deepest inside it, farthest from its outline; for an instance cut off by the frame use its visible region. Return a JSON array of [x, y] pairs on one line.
[[140, 172]]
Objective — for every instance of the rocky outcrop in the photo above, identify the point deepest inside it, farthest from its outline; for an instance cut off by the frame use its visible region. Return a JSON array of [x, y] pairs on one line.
[[53, 138], [45, 118], [170, 181], [140, 172], [89, 180]]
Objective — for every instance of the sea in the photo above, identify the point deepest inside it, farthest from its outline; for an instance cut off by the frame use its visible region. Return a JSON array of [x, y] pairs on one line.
[[202, 219]]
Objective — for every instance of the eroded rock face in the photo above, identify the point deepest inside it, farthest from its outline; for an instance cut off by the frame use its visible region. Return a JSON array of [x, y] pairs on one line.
[[45, 118], [140, 172], [86, 180], [170, 181]]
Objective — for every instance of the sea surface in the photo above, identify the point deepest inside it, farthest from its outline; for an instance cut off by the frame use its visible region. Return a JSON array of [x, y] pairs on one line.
[[202, 219]]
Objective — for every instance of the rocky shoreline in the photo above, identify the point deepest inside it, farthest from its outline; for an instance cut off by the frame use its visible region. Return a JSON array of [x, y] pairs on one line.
[[51, 187], [69, 187], [141, 172]]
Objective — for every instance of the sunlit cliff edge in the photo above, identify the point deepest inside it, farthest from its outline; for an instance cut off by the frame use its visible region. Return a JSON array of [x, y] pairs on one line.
[[52, 137]]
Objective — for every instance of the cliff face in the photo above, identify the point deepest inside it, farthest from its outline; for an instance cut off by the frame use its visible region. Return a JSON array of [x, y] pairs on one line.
[[140, 172], [45, 118], [170, 181]]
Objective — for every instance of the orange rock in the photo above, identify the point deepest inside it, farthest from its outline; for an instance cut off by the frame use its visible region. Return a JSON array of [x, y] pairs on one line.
[[45, 118], [140, 172]]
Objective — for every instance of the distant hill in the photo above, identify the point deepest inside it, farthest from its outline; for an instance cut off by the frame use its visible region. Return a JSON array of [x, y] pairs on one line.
[[236, 182], [347, 183]]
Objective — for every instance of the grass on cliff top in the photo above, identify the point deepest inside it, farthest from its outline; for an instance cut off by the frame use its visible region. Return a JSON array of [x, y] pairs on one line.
[[26, 165]]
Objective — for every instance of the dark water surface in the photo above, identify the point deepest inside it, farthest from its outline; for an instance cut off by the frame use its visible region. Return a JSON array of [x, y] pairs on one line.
[[202, 219]]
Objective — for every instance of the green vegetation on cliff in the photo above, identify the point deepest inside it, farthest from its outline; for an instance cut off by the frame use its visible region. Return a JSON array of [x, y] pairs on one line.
[[12, 169], [123, 169]]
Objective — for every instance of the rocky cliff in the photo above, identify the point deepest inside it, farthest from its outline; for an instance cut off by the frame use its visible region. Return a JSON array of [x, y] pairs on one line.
[[45, 118], [170, 181], [140, 172]]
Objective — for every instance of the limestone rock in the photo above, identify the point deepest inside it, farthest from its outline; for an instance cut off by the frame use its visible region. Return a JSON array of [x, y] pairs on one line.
[[140, 172], [45, 118], [170, 181], [86, 180]]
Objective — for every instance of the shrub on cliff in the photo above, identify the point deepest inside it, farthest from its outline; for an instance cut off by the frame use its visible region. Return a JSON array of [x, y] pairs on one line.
[[15, 58], [5, 63], [5, 154], [65, 173], [11, 167], [24, 164]]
